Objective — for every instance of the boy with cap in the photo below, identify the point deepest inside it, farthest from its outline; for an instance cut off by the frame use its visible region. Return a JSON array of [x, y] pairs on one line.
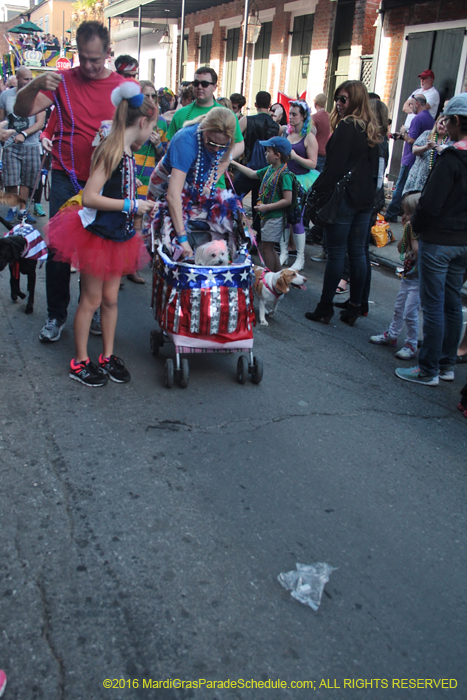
[[275, 195]]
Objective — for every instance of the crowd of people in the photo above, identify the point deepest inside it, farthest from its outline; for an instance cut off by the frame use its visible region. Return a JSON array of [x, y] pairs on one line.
[[172, 153], [42, 42]]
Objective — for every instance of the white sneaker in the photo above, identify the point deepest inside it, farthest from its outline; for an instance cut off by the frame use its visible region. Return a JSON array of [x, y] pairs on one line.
[[51, 331], [408, 352], [447, 375], [319, 257]]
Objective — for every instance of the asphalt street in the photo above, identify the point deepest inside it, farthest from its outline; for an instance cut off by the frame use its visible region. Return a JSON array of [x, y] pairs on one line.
[[143, 529]]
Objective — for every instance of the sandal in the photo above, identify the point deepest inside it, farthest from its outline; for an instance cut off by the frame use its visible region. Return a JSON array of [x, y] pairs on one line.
[[461, 359], [341, 290]]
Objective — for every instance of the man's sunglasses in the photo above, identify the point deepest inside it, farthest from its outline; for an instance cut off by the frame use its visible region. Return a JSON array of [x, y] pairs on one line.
[[203, 83], [340, 98]]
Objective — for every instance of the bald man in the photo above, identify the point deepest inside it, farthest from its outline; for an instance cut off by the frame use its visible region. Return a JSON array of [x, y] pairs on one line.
[[21, 152]]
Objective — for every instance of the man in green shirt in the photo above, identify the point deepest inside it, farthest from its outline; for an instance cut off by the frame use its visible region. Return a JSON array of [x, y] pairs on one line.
[[205, 85]]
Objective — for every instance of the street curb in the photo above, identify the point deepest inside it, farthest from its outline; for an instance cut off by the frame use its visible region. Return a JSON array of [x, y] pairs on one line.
[[384, 262], [391, 265]]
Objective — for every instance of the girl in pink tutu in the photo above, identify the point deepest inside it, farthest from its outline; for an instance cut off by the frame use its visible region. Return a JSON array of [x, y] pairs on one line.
[[101, 238]]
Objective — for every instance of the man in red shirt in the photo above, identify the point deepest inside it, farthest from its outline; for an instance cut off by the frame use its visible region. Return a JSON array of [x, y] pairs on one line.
[[82, 101], [323, 129]]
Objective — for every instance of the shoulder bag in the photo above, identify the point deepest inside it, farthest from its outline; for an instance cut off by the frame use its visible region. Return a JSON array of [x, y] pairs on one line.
[[321, 207]]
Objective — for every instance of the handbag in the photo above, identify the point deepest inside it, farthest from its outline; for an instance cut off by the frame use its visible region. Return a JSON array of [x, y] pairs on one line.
[[321, 207]]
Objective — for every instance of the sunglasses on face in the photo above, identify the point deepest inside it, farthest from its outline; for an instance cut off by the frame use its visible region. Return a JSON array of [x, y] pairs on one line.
[[340, 98], [218, 145], [203, 83], [151, 94]]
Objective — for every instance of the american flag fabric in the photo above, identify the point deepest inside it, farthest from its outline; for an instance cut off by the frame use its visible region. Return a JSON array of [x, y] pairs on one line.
[[35, 247], [210, 304]]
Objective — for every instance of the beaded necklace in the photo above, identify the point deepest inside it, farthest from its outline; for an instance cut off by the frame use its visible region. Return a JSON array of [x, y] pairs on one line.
[[72, 172], [434, 153], [145, 159], [199, 179], [129, 185], [407, 256], [270, 180]]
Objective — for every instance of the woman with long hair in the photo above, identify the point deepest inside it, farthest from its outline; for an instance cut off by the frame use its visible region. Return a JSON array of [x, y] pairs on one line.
[[351, 149], [197, 157], [380, 112], [303, 160]]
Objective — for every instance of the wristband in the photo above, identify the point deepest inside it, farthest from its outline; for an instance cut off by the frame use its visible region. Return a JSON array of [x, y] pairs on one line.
[[126, 206], [24, 134], [182, 237]]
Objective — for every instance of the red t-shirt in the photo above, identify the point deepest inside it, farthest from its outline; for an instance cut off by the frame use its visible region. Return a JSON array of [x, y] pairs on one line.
[[90, 105], [323, 130]]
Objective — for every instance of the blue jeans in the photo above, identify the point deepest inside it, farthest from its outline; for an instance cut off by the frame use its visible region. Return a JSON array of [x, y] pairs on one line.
[[57, 274], [320, 163], [347, 235], [394, 208], [441, 276]]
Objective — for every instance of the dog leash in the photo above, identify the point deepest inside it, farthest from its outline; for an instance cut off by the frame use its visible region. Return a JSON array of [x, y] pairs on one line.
[[33, 192]]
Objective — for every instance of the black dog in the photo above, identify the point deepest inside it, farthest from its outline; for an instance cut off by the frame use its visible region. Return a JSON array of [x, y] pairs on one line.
[[10, 254]]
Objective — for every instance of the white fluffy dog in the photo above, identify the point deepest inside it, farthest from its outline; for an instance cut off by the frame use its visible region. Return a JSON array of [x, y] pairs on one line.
[[270, 288], [212, 253]]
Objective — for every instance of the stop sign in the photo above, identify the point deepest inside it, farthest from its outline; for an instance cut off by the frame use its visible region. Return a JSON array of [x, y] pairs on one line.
[[63, 64]]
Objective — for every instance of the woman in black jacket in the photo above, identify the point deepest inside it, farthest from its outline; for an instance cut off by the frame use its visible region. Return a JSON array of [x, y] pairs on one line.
[[351, 149]]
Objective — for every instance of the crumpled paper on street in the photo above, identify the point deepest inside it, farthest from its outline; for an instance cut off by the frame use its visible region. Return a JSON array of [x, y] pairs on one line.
[[307, 582]]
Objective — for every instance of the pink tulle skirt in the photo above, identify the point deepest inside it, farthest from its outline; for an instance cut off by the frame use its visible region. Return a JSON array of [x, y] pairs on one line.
[[100, 257]]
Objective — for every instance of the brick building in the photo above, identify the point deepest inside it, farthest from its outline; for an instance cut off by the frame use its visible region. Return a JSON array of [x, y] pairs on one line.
[[4, 27], [304, 45], [412, 37], [313, 45]]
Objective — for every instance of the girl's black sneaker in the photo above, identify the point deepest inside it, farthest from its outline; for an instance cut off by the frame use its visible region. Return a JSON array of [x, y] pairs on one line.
[[87, 373], [115, 368]]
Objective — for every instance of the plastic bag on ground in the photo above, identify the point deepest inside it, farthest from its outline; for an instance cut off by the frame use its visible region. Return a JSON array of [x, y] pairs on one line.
[[307, 582]]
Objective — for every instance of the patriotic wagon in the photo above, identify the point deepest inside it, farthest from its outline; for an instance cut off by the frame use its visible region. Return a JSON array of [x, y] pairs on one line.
[[204, 309]]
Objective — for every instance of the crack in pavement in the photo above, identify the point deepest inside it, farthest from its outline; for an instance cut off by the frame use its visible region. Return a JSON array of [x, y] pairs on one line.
[[251, 425], [47, 635]]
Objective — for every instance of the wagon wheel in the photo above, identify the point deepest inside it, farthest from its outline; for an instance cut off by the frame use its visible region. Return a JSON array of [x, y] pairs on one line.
[[242, 369], [184, 373], [257, 370], [169, 373]]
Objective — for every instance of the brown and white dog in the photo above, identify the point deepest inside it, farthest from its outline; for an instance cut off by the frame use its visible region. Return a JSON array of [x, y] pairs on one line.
[[270, 288]]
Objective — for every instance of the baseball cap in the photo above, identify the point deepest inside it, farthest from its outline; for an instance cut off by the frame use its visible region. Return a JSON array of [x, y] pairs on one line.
[[165, 91], [427, 74], [279, 143], [456, 105]]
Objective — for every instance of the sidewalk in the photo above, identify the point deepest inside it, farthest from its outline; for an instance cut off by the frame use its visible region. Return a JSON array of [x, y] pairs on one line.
[[389, 257]]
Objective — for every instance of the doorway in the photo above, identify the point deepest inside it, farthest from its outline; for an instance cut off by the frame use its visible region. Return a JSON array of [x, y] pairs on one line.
[[341, 48]]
